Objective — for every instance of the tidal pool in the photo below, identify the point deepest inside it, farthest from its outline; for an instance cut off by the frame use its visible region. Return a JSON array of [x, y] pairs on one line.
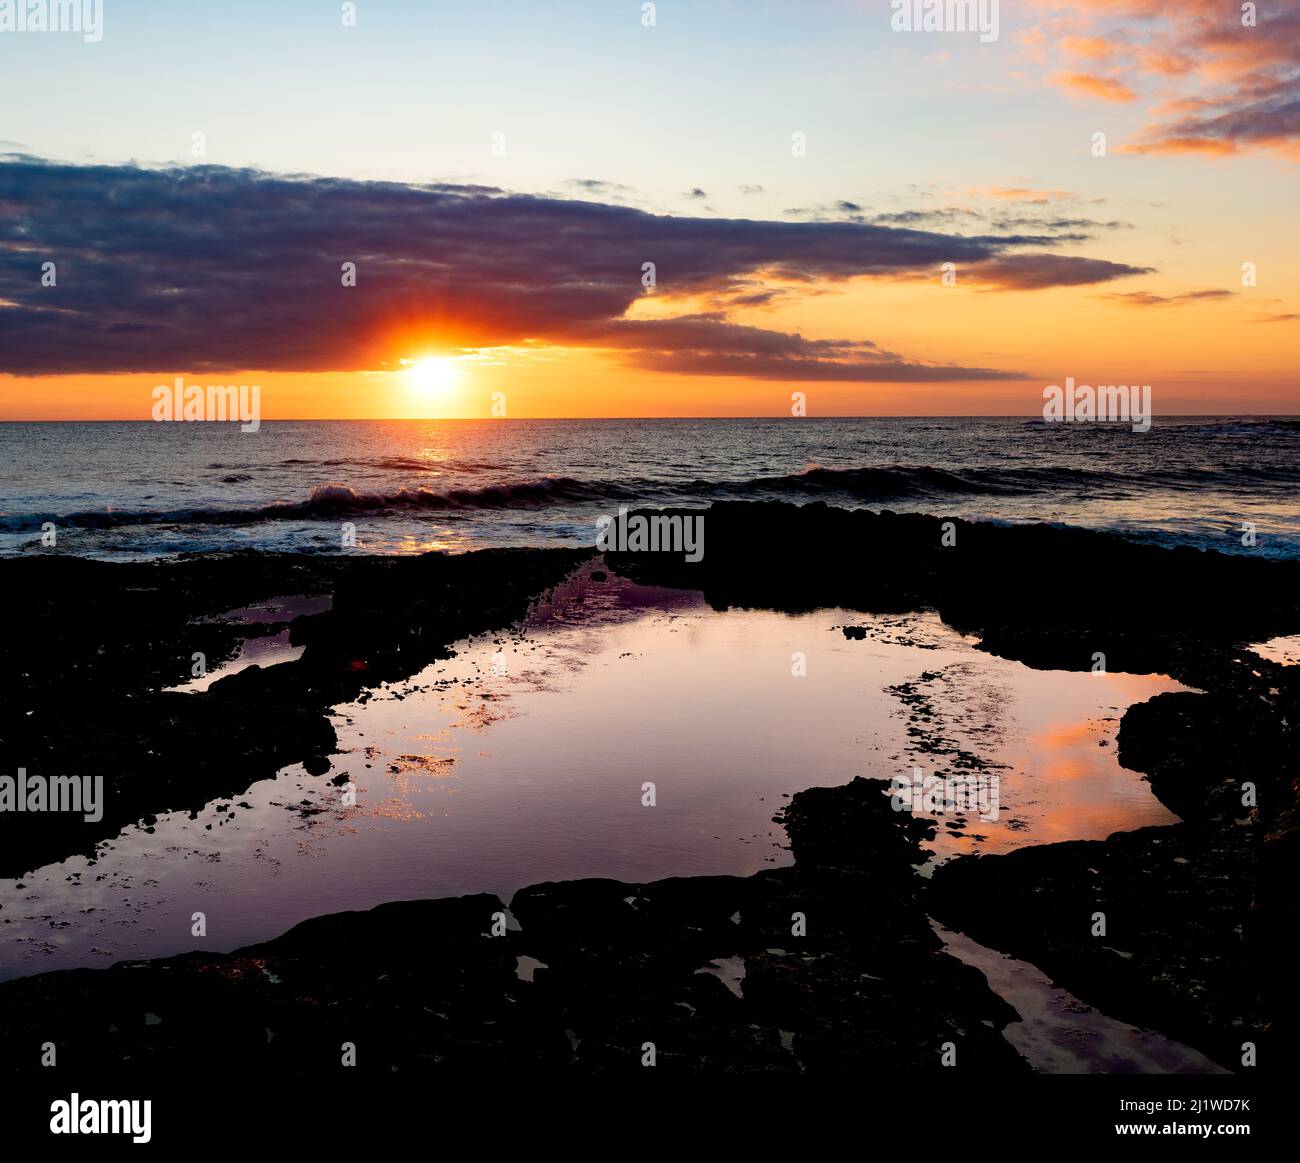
[[533, 755]]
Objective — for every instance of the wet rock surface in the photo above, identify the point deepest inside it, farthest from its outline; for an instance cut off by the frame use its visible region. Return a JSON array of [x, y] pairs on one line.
[[1150, 926], [1044, 595], [1204, 907], [835, 968], [97, 643]]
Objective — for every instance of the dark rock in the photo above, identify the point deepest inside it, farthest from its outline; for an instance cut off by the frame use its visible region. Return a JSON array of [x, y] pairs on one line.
[[841, 972], [1181, 950], [105, 638]]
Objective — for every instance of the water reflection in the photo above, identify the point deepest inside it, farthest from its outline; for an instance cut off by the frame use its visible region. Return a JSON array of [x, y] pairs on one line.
[[524, 759]]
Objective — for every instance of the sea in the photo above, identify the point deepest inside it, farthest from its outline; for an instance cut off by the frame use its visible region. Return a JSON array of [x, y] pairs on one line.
[[142, 490]]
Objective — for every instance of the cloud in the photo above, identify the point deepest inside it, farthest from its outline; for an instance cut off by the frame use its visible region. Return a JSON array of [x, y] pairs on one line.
[[811, 370], [1021, 194], [1034, 272], [1228, 87], [598, 186], [1272, 122], [1106, 88], [1172, 63], [207, 268], [1148, 299], [1012, 224], [710, 345], [1090, 48], [1058, 228], [1289, 318]]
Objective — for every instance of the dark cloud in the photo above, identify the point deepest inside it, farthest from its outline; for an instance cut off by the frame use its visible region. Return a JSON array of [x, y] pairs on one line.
[[1087, 227], [1272, 122], [1148, 299], [211, 269], [598, 186], [949, 216], [1035, 272], [785, 368], [696, 192], [756, 298], [1015, 228]]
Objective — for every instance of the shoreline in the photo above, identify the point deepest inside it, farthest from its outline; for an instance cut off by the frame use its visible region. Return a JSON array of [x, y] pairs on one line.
[[1197, 749]]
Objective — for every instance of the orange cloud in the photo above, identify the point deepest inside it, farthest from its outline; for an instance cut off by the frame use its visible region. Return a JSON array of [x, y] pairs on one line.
[[1238, 70], [1092, 48], [1104, 88], [1022, 194], [1167, 63], [1211, 146]]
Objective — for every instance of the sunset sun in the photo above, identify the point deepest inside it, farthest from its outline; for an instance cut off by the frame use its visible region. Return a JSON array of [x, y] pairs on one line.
[[433, 377]]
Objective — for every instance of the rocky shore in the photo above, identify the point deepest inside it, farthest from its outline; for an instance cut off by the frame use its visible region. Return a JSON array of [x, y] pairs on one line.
[[828, 965], [97, 643], [1195, 915]]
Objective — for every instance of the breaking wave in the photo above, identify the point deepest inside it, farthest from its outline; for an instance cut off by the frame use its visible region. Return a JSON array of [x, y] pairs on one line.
[[880, 484]]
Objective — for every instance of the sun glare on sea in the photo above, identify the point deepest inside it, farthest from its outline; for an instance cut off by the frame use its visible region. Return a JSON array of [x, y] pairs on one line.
[[432, 378]]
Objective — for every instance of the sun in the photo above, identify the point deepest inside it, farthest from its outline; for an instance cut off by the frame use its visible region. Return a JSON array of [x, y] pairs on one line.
[[433, 377]]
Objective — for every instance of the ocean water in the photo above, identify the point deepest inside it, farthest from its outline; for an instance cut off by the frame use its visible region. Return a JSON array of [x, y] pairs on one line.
[[143, 489]]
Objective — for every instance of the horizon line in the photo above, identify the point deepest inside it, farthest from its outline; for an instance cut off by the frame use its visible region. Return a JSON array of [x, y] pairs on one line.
[[532, 419]]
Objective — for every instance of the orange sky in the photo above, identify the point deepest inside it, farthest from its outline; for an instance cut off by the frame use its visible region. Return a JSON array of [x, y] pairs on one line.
[[929, 146], [1194, 356]]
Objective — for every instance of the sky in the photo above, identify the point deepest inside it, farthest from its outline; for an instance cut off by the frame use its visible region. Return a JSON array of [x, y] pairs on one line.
[[798, 174]]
